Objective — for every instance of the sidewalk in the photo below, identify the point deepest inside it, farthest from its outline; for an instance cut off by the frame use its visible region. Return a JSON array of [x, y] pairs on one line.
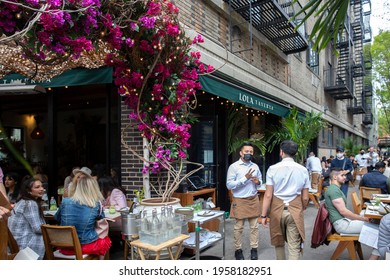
[[265, 250]]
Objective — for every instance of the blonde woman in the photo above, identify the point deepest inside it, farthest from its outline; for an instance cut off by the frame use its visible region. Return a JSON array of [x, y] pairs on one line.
[[82, 210]]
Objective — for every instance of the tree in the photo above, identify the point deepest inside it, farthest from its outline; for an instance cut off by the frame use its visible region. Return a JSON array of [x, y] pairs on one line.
[[330, 16], [381, 63], [155, 68], [301, 130]]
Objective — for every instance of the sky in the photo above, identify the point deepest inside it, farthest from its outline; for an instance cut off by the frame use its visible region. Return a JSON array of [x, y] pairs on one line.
[[380, 16]]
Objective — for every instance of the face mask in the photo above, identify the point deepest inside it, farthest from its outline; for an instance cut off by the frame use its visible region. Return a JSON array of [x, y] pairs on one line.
[[247, 157], [362, 153], [339, 155]]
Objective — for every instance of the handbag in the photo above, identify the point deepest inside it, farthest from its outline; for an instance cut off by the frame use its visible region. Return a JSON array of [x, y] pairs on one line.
[[101, 225], [349, 174]]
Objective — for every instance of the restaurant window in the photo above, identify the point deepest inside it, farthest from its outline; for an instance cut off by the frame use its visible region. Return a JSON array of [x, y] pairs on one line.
[[202, 149]]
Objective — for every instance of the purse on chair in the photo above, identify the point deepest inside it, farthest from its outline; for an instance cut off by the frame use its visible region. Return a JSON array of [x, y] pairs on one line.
[[101, 225]]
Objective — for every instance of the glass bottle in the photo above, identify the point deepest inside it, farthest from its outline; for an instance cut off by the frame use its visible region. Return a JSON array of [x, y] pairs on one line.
[[164, 224], [53, 204]]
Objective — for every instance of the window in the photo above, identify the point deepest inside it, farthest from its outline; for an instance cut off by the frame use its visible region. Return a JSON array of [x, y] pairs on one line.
[[312, 59], [330, 136]]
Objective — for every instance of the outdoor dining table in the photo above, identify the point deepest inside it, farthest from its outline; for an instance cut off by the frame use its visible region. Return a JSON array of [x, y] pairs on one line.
[[382, 197], [372, 214]]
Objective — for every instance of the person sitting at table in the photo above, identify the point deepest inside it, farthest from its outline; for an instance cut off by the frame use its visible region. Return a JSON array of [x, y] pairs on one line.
[[4, 213], [81, 210], [114, 195], [384, 236], [27, 217], [343, 220], [11, 183], [68, 180], [375, 178], [78, 173]]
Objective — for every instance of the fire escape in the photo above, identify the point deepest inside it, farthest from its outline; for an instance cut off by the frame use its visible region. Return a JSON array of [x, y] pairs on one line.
[[339, 81], [362, 65], [272, 19]]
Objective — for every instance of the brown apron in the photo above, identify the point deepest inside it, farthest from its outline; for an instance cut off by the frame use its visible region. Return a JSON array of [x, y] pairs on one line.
[[296, 210], [244, 208]]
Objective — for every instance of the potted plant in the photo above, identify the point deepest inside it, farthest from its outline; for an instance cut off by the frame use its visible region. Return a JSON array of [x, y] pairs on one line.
[[301, 130]]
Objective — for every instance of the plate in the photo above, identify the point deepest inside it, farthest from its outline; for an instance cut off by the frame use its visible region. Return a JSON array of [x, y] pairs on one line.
[[382, 195], [205, 213], [371, 207]]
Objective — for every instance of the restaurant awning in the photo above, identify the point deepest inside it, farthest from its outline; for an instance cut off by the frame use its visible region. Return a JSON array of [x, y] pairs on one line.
[[243, 96], [74, 77]]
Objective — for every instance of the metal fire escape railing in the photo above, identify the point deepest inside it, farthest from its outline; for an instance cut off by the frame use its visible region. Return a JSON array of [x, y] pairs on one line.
[[368, 117], [358, 104], [361, 27], [339, 81], [272, 19]]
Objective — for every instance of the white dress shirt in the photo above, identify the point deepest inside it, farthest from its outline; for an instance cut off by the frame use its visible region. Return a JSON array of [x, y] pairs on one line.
[[313, 164], [288, 178], [361, 160], [237, 182]]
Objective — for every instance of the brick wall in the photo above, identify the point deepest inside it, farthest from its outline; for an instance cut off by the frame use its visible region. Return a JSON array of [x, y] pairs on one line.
[[211, 22], [131, 166]]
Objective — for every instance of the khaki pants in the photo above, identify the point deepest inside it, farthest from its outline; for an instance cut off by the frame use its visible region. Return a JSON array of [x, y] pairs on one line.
[[315, 180], [291, 233], [254, 232]]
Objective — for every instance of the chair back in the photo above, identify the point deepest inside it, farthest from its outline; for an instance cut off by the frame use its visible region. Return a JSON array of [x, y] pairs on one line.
[[356, 203], [61, 237], [367, 192]]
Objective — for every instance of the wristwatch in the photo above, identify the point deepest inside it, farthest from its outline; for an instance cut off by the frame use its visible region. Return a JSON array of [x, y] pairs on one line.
[[263, 217]]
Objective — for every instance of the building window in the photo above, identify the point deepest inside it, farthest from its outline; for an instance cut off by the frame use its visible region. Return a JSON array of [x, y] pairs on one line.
[[312, 59], [330, 136]]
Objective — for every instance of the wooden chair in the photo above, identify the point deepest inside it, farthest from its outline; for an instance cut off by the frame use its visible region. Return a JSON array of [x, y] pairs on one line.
[[12, 246], [349, 242], [63, 237], [8, 245], [356, 203], [366, 193], [315, 197]]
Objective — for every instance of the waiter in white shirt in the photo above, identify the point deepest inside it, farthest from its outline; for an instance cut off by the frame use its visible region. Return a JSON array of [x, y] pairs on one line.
[[372, 158], [313, 165], [361, 160], [243, 178]]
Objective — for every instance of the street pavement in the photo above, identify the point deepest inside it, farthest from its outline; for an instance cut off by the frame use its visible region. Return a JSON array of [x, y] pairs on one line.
[[265, 250]]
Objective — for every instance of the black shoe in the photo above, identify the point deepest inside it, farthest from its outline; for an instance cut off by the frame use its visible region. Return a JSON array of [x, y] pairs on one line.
[[238, 254], [253, 254]]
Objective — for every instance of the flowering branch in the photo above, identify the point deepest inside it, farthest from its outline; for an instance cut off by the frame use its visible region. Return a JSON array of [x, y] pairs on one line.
[[155, 66]]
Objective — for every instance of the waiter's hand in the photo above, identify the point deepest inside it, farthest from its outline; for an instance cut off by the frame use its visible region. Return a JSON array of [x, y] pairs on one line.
[[255, 180], [249, 174], [264, 221]]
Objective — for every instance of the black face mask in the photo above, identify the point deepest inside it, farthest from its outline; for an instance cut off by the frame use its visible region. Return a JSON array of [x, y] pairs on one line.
[[362, 153], [248, 157]]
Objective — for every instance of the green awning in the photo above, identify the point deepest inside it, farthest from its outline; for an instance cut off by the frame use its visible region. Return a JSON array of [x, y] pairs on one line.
[[242, 96], [74, 77]]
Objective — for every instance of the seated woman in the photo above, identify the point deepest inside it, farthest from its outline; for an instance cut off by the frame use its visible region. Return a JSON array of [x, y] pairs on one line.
[[114, 195], [82, 210], [343, 220], [27, 217], [384, 236], [11, 183]]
